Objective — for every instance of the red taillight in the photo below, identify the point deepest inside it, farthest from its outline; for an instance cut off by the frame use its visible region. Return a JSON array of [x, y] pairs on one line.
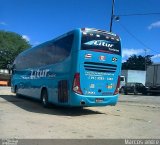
[[76, 84], [118, 86]]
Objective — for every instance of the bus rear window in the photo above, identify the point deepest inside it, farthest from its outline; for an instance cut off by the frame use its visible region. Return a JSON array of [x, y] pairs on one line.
[[102, 42]]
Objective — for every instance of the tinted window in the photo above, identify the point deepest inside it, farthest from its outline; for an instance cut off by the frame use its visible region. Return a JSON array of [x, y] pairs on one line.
[[122, 78], [132, 85], [63, 47], [97, 41], [141, 85], [34, 58], [18, 62], [46, 54], [49, 54]]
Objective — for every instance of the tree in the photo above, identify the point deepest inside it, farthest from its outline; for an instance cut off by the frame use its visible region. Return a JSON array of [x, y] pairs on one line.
[[11, 44], [137, 62]]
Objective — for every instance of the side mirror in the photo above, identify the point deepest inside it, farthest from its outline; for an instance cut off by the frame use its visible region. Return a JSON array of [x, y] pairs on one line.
[[10, 66]]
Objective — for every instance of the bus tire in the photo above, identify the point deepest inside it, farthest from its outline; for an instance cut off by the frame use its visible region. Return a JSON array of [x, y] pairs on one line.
[[135, 92], [44, 98], [122, 91], [16, 91]]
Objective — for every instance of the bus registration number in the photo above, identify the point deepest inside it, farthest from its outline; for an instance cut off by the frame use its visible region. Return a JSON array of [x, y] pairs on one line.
[[99, 100]]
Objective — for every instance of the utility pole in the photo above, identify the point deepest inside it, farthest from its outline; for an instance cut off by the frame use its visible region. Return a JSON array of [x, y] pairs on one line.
[[145, 61], [112, 15]]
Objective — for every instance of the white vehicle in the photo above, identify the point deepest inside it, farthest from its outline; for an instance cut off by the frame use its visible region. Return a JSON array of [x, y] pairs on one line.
[[153, 78], [122, 81]]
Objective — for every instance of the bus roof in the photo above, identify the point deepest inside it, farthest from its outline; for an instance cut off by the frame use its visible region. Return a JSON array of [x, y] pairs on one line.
[[65, 34], [98, 30]]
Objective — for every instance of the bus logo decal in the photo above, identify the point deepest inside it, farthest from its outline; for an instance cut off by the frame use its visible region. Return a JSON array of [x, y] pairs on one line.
[[114, 59], [39, 73], [92, 86], [88, 56], [100, 43], [90, 92], [102, 58]]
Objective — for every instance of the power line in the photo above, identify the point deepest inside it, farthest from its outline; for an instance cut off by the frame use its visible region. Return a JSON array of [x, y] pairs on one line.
[[139, 14], [138, 40]]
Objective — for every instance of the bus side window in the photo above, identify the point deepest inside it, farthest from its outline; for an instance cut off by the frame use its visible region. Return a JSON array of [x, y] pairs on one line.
[[63, 47], [33, 59], [52, 52], [19, 64], [49, 53]]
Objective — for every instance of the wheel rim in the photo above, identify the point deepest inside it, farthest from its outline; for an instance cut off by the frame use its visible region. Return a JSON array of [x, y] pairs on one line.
[[122, 90], [16, 89], [135, 92]]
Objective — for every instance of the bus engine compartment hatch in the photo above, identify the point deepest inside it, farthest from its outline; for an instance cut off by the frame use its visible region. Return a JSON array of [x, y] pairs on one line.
[[63, 91]]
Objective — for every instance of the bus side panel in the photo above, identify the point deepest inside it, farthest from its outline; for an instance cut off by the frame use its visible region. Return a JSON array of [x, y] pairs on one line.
[[60, 72], [74, 64]]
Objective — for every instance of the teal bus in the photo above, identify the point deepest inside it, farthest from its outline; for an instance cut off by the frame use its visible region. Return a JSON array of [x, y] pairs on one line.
[[80, 68]]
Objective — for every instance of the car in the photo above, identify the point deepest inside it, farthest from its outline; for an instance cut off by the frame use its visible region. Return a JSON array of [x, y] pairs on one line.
[[133, 87]]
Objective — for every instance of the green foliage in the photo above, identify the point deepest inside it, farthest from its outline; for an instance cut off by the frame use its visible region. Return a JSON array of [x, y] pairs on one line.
[[137, 62], [11, 44]]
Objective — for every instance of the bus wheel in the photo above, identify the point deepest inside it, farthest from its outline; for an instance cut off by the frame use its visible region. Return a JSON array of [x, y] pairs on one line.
[[16, 91], [44, 98], [135, 92], [122, 91]]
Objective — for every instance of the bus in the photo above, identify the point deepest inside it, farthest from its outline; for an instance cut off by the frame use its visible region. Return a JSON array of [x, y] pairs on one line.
[[80, 69]]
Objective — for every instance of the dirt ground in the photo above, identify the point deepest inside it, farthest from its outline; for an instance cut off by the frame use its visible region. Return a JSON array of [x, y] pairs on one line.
[[135, 116]]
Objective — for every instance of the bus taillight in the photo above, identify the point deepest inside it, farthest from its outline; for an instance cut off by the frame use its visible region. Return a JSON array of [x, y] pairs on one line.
[[118, 86], [76, 84]]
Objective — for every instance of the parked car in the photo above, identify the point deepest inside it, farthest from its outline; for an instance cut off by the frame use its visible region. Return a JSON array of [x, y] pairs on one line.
[[133, 88]]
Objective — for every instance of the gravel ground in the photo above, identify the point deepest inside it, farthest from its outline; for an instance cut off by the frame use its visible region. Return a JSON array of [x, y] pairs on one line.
[[135, 116]]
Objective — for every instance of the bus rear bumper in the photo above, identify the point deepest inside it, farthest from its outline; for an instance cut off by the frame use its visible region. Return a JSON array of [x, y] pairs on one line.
[[88, 101]]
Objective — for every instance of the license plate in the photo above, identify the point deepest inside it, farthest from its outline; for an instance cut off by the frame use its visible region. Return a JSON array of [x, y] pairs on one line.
[[99, 99]]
